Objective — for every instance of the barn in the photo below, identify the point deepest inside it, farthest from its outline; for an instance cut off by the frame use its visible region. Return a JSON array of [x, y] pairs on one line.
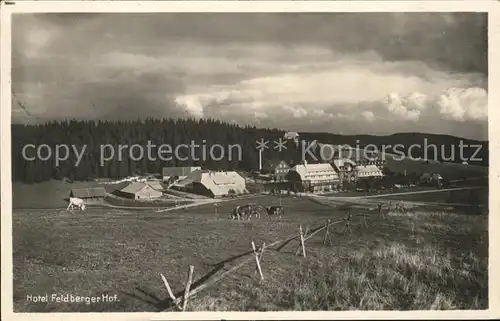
[[156, 185], [89, 195], [140, 191], [431, 179], [212, 183]]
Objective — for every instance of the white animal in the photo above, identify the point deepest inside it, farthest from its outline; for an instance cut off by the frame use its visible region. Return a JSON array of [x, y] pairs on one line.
[[76, 202]]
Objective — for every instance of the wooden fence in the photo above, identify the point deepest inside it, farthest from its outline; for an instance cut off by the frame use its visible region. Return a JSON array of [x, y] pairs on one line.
[[180, 302]]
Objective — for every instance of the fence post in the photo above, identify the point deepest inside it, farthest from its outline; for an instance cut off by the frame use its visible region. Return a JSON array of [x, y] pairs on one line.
[[262, 251], [305, 239], [347, 221], [188, 285], [260, 256], [326, 232], [257, 260], [169, 290], [302, 241]]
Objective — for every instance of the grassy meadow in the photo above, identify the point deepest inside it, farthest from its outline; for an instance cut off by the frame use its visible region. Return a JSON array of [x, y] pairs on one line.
[[51, 194], [449, 171], [420, 260], [464, 196]]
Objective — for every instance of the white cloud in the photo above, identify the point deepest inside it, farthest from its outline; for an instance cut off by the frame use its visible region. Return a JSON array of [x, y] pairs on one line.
[[192, 105], [259, 115], [369, 116], [295, 111], [416, 100], [461, 104], [397, 106], [272, 84], [321, 82]]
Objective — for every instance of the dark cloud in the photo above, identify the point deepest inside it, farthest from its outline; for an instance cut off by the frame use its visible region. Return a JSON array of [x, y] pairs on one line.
[[278, 70], [457, 41]]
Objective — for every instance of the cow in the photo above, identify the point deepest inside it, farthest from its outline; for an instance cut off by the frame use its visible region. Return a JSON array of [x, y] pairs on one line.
[[235, 213], [240, 212], [245, 212], [76, 202], [256, 212], [253, 210], [275, 211]]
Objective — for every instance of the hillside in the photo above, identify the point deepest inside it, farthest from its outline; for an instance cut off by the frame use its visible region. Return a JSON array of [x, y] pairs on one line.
[[446, 146]]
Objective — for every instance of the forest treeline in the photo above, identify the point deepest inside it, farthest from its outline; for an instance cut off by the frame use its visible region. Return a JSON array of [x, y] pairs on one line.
[[172, 132]]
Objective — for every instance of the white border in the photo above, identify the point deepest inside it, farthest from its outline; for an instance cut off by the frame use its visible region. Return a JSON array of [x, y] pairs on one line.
[[492, 7]]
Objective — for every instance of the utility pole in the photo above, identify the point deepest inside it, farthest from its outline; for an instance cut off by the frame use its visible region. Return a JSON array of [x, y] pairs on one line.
[[260, 160]]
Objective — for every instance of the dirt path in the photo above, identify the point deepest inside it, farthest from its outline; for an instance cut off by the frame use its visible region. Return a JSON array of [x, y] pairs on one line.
[[400, 194]]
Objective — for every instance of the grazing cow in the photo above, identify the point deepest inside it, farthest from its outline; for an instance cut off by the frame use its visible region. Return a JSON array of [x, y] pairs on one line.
[[275, 211], [235, 214], [256, 212], [245, 212], [240, 212], [253, 210], [76, 202]]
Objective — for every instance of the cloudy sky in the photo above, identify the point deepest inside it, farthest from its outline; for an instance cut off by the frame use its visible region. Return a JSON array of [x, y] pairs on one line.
[[342, 73]]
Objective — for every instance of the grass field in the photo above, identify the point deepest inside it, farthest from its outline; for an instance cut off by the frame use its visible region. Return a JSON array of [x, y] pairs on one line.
[[455, 196], [54, 194], [449, 171], [417, 261], [51, 194]]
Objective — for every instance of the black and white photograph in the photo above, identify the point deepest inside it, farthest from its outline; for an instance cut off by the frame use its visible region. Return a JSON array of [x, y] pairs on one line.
[[247, 161]]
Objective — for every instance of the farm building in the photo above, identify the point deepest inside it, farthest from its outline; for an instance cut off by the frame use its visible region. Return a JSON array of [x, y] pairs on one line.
[[291, 135], [345, 168], [89, 195], [140, 191], [212, 184], [174, 173], [367, 171], [278, 168], [380, 163], [313, 177], [156, 185], [431, 178]]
